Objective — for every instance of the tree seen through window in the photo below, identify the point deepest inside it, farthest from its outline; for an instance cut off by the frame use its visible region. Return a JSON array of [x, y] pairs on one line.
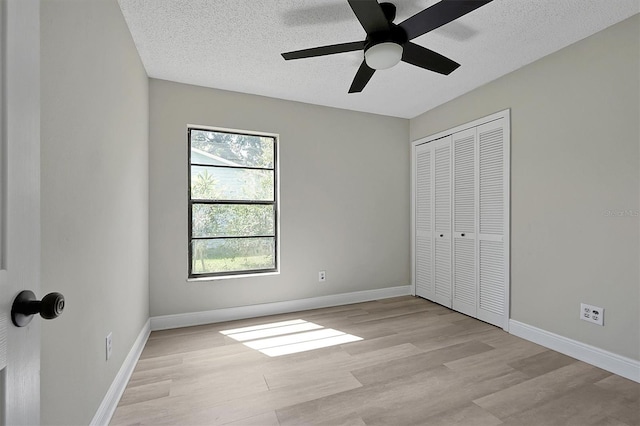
[[232, 203]]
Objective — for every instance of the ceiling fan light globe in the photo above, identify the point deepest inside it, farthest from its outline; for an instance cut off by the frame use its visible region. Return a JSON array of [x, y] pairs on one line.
[[383, 55]]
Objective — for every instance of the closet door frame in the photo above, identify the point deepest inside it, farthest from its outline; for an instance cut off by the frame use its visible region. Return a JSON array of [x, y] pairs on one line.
[[506, 116]]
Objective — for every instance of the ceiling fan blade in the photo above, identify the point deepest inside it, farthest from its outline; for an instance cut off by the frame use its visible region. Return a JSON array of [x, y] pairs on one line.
[[362, 77], [324, 50], [370, 15], [428, 59], [439, 14]]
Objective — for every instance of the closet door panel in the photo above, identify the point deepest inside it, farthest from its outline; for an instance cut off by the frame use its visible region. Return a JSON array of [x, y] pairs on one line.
[[465, 286], [464, 182], [424, 268], [464, 222], [492, 215], [492, 279], [424, 222], [442, 208]]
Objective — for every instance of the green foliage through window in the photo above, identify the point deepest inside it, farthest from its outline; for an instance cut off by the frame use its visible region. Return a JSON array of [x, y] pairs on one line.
[[232, 203]]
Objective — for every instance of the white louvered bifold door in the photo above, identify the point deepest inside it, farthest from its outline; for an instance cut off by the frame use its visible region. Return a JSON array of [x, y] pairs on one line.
[[465, 286], [424, 221], [442, 223], [461, 218], [493, 211]]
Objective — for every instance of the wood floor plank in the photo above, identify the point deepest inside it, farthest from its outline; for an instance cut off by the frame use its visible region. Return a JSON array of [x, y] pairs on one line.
[[540, 389], [280, 380], [584, 405], [391, 369], [252, 404], [429, 340], [440, 394], [418, 363], [463, 415], [142, 393], [158, 362], [627, 388], [234, 385], [370, 402], [486, 364], [198, 364], [265, 419], [542, 363], [177, 344]]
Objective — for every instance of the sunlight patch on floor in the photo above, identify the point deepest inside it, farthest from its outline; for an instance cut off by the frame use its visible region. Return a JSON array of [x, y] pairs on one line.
[[288, 337]]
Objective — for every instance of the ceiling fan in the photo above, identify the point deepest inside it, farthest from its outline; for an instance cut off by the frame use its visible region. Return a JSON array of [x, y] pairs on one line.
[[387, 43]]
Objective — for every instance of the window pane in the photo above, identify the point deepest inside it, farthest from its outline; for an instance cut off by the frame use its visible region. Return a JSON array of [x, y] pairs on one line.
[[219, 183], [230, 255], [234, 220], [218, 148]]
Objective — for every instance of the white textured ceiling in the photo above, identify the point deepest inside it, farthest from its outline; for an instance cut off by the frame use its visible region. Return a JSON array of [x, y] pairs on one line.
[[236, 45]]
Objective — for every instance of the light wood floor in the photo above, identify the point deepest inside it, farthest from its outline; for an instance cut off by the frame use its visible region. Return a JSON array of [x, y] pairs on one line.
[[418, 364]]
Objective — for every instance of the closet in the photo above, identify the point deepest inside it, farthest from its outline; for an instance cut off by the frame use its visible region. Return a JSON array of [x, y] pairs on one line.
[[460, 218]]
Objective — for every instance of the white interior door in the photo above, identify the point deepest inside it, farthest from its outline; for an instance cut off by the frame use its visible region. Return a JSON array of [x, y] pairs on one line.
[[424, 194], [442, 224], [20, 210]]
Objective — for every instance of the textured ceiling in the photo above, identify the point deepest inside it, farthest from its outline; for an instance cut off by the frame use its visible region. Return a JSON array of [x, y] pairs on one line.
[[236, 45]]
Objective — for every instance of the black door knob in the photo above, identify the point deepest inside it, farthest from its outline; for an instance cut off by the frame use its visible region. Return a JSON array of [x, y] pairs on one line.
[[25, 305]]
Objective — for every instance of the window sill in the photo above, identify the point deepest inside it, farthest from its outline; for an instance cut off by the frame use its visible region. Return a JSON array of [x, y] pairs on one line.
[[228, 277]]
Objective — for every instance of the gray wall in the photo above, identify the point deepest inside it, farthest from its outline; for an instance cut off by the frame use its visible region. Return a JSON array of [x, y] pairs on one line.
[[94, 201], [344, 198], [574, 157]]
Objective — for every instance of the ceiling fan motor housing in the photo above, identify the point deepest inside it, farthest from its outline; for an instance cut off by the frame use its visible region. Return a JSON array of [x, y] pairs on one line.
[[394, 34], [384, 49], [389, 10]]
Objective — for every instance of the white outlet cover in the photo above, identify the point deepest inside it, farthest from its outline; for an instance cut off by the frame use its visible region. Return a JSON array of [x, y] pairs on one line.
[[590, 313], [108, 346]]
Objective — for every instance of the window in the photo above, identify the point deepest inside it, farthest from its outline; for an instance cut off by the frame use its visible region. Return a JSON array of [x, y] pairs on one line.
[[233, 209]]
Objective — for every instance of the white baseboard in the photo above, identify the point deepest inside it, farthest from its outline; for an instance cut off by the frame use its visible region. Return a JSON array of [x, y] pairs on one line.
[[111, 399], [620, 365], [165, 322]]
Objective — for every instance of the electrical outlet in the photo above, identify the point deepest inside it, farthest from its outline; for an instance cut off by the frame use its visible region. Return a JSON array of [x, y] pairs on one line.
[[108, 346], [592, 314], [322, 276]]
